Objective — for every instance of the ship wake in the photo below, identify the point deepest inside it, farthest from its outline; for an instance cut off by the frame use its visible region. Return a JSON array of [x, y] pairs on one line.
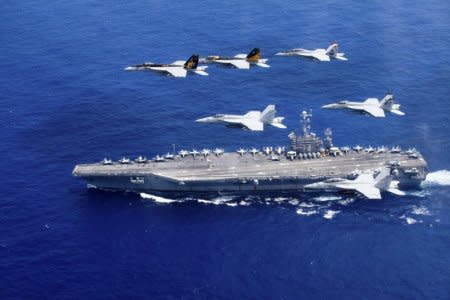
[[159, 199], [438, 178]]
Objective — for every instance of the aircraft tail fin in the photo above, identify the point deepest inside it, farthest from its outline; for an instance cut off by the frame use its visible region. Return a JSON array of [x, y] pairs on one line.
[[268, 114], [254, 55], [387, 101], [192, 62], [278, 122], [383, 179], [332, 50]]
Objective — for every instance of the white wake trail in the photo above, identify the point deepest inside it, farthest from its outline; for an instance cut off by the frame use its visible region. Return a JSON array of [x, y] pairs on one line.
[[438, 178], [157, 199]]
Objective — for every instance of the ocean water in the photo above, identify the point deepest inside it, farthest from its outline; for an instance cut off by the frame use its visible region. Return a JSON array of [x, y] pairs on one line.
[[65, 99]]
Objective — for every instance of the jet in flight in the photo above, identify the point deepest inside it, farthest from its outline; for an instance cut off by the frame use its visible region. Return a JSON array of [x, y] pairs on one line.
[[371, 106], [320, 54], [240, 61], [178, 68], [253, 120], [364, 184]]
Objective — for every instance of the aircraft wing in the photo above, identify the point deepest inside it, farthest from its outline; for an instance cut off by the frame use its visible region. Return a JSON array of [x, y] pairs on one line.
[[320, 56], [368, 191], [176, 72], [374, 111], [355, 107], [372, 101], [253, 125], [238, 63], [253, 114]]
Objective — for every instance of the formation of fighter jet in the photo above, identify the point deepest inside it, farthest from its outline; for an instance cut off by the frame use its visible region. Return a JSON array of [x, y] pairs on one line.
[[240, 61], [371, 106], [364, 184], [332, 52], [178, 68], [253, 120]]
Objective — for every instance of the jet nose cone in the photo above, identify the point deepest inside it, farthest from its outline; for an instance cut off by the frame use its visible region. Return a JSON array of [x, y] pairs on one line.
[[129, 69], [202, 120]]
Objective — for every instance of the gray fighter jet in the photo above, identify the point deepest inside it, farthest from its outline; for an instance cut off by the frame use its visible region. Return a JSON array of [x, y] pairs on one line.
[[253, 120], [372, 106], [178, 68], [240, 61], [332, 52], [364, 184]]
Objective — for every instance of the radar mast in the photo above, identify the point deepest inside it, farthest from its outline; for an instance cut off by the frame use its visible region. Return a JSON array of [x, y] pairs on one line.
[[306, 122]]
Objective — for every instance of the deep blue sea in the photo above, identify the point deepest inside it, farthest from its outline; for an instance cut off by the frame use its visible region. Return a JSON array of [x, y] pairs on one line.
[[65, 99]]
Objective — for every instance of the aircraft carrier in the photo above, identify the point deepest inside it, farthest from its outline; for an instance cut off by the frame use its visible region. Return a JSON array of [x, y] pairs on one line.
[[307, 160]]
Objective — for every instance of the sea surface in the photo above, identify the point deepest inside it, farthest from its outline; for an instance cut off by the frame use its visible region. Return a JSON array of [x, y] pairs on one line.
[[65, 99]]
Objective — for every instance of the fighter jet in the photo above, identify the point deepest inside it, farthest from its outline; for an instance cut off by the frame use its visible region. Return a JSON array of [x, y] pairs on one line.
[[364, 184], [320, 54], [371, 106], [240, 61], [178, 68], [253, 120]]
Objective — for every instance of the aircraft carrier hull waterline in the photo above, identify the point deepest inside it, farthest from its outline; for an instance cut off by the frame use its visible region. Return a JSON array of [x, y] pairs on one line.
[[243, 172]]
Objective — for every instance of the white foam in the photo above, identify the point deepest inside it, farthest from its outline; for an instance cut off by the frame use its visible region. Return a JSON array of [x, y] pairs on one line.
[[441, 177], [243, 203], [306, 212], [420, 194], [420, 211], [252, 198], [345, 202], [411, 221], [330, 214], [327, 198], [309, 205], [158, 199], [216, 201], [224, 198], [231, 204], [280, 199], [293, 202]]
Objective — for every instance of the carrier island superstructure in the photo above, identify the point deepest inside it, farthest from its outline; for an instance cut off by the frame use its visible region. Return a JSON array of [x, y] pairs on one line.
[[307, 160]]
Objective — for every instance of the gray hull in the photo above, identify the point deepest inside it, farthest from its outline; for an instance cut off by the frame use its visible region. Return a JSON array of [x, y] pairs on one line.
[[242, 174]]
